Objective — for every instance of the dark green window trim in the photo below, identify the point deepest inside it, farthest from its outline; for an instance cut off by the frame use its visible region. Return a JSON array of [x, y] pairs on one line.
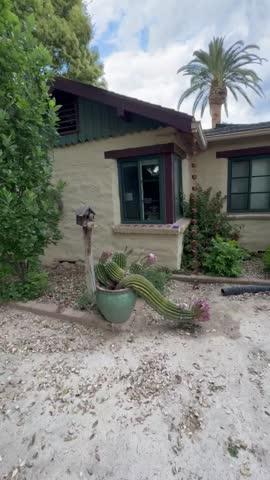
[[138, 162], [246, 193]]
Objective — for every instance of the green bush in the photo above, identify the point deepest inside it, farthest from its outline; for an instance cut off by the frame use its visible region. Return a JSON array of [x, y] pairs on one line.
[[158, 276], [266, 259], [224, 258], [29, 203], [34, 284], [210, 220]]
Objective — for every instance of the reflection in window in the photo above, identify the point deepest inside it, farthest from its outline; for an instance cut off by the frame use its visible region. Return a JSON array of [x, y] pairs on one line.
[[249, 184]]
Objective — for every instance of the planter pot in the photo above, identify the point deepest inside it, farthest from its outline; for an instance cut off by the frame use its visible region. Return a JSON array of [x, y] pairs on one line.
[[115, 305]]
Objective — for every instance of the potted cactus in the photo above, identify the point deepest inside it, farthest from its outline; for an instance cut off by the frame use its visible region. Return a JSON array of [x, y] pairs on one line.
[[119, 284]]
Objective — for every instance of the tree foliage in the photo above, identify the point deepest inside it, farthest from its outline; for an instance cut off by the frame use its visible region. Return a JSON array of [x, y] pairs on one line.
[[215, 72], [28, 212], [65, 29]]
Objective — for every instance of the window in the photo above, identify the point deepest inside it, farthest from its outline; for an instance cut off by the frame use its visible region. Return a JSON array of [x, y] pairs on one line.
[[249, 184], [178, 194], [141, 190], [68, 113]]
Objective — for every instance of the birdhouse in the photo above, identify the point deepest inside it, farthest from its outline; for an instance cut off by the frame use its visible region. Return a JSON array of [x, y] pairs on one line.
[[84, 215]]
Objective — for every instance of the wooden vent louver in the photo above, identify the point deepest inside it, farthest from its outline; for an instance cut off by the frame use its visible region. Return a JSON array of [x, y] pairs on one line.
[[68, 117]]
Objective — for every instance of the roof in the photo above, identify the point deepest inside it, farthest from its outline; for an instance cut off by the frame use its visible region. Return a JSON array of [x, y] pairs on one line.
[[229, 128], [169, 117]]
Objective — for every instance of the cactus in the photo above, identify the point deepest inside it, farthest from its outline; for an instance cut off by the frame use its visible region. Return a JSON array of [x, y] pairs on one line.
[[101, 275], [136, 268], [121, 259], [153, 297], [114, 272]]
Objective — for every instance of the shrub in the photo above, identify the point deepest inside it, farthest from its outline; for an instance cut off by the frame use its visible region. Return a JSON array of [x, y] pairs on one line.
[[224, 258], [33, 285], [158, 276], [266, 259], [29, 204], [210, 220]]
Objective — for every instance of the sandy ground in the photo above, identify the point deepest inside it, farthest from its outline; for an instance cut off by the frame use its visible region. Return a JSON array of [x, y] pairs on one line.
[[141, 401]]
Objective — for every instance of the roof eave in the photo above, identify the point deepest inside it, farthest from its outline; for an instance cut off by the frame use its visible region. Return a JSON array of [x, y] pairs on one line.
[[196, 128], [243, 134]]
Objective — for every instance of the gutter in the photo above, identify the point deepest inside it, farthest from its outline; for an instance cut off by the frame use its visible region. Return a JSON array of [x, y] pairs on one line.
[[197, 130], [243, 134]]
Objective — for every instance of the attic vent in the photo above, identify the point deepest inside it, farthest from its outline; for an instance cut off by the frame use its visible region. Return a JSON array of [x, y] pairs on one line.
[[68, 113]]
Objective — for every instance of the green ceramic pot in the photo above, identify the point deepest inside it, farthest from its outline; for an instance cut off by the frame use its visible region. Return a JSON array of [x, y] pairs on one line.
[[115, 305]]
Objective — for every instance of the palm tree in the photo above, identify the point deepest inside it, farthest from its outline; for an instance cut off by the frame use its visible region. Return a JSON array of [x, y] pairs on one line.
[[218, 71]]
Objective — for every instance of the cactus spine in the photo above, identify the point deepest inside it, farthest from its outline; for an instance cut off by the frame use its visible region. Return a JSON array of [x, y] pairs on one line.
[[153, 297], [121, 259], [114, 272], [101, 275], [136, 268]]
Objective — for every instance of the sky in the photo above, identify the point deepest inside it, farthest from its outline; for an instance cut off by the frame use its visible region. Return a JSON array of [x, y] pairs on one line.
[[143, 42]]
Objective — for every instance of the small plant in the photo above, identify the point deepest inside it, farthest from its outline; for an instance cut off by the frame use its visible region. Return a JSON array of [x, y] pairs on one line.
[[158, 276], [224, 258], [85, 302], [266, 260], [208, 218]]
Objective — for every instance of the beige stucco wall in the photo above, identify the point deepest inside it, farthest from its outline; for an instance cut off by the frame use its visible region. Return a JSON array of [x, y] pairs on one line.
[[212, 171], [92, 180]]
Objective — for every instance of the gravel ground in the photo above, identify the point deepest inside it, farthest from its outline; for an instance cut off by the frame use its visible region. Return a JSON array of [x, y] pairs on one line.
[[67, 284], [141, 401]]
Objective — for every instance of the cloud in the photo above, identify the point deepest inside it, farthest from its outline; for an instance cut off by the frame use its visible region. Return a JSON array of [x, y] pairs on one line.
[[174, 30]]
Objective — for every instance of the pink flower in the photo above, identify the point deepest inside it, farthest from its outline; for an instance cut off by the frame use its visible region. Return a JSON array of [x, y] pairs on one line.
[[201, 309], [150, 259]]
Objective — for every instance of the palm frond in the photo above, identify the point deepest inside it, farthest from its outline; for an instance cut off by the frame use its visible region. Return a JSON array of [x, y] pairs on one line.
[[224, 68]]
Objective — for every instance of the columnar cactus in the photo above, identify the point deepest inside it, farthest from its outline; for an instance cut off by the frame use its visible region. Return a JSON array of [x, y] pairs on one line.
[[120, 258], [114, 272], [153, 297]]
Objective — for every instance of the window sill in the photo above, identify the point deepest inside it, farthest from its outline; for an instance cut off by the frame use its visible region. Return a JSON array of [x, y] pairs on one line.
[[249, 216], [153, 229]]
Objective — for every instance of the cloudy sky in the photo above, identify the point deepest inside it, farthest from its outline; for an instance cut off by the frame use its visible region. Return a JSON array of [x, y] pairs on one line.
[[143, 42]]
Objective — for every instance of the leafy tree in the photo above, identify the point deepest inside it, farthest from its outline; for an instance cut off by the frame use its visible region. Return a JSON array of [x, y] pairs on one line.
[[28, 212], [214, 73], [65, 29]]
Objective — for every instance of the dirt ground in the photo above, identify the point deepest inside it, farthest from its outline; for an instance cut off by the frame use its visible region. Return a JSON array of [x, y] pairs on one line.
[[141, 401]]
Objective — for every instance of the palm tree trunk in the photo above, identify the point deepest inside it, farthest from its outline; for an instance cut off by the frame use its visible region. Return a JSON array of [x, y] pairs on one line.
[[215, 112], [217, 98]]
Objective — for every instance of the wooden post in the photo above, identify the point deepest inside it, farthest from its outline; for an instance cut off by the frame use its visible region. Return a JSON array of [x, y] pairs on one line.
[[89, 263], [85, 218]]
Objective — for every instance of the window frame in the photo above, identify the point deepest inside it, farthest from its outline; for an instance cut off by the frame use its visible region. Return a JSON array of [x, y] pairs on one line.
[[139, 161], [250, 160]]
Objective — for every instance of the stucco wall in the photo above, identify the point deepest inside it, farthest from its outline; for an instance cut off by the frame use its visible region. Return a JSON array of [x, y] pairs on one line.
[[212, 171], [90, 179]]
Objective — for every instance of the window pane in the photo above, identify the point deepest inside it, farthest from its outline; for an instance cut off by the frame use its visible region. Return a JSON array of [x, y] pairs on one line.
[[150, 187], [240, 168], [239, 202], [261, 166], [260, 201], [130, 187], [239, 185], [260, 184]]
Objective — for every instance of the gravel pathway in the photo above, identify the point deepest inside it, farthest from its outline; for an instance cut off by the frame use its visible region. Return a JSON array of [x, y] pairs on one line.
[[140, 401]]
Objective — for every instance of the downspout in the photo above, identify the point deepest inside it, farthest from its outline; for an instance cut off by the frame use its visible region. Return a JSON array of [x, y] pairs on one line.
[[199, 144]]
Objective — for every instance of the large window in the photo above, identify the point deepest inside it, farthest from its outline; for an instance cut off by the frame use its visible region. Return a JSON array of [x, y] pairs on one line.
[[142, 190], [249, 184]]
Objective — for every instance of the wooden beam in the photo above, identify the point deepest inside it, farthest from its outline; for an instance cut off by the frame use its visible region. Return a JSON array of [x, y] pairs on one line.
[[244, 152], [127, 153]]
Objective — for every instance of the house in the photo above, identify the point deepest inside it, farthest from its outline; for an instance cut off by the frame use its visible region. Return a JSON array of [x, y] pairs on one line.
[[131, 161]]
